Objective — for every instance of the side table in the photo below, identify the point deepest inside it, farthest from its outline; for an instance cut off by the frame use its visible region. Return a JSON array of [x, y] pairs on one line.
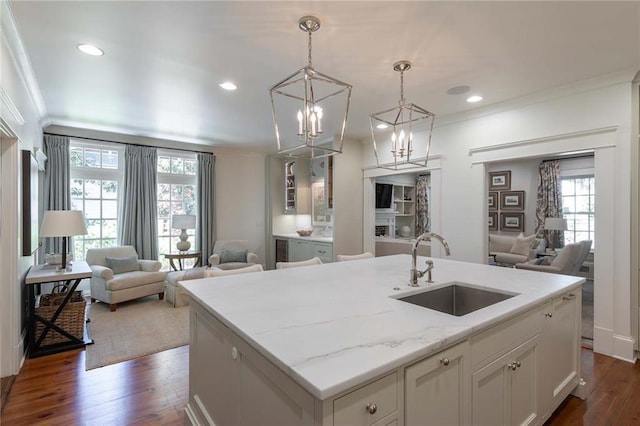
[[41, 274], [197, 255]]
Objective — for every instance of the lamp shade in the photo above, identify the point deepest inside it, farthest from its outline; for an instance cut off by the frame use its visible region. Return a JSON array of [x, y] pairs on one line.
[[183, 221], [62, 223], [555, 224]]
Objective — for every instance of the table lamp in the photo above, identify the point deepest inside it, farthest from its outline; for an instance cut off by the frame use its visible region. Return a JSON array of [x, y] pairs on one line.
[[183, 222], [62, 223], [555, 224]]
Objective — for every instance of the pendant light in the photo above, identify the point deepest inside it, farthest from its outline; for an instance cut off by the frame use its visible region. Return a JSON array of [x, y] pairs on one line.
[[310, 108], [411, 127]]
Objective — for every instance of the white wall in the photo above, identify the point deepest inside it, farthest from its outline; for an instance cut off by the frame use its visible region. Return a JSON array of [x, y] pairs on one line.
[[593, 115], [240, 198], [19, 130], [348, 201]]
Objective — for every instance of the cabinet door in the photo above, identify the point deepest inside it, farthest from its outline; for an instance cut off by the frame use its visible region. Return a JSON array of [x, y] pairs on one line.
[[290, 187], [300, 250], [506, 391], [324, 251], [209, 382], [437, 387], [524, 387], [562, 348]]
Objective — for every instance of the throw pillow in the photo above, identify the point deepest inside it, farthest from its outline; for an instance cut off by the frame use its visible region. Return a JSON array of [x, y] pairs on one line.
[[522, 245], [122, 264], [233, 256]]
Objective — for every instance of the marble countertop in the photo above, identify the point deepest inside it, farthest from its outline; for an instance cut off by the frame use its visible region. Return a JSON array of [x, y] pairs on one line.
[[309, 238], [333, 326]]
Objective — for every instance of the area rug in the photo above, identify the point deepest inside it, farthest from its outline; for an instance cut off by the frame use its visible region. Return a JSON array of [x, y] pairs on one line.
[[137, 328]]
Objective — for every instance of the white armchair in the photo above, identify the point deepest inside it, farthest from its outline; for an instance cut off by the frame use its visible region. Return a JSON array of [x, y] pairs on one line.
[[118, 275], [232, 254]]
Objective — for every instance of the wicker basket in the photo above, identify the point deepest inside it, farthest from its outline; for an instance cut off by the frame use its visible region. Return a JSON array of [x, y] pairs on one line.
[[71, 319]]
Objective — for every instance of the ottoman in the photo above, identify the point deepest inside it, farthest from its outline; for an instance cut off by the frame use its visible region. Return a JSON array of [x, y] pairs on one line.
[[173, 291]]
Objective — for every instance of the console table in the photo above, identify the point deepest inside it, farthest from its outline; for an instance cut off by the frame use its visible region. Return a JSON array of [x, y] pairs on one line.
[[42, 274], [197, 255]]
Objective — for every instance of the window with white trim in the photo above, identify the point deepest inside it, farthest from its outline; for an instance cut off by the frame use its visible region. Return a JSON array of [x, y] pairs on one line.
[[176, 195], [96, 176], [578, 208]]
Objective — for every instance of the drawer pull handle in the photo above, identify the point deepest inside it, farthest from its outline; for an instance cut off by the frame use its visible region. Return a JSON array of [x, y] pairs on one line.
[[518, 364], [372, 408], [234, 353], [512, 366], [569, 297], [548, 315], [444, 361]]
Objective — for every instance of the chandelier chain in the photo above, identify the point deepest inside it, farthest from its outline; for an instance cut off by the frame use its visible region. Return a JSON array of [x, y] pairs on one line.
[[402, 87], [309, 47]]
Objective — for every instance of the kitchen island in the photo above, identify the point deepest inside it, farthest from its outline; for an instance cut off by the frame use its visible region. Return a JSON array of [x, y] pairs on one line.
[[332, 344]]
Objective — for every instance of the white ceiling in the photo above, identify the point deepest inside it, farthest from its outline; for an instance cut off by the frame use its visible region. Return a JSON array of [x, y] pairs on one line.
[[164, 60]]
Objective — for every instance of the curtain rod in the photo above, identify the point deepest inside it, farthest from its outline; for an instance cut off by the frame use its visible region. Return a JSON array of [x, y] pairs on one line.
[[124, 143]]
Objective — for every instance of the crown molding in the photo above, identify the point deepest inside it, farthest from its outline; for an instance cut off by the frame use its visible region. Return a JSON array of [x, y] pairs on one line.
[[11, 36]]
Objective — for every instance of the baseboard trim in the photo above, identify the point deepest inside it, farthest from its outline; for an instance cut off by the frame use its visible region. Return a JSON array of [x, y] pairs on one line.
[[618, 346]]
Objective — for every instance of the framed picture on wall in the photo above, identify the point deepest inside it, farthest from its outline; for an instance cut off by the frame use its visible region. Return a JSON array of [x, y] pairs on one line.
[[512, 200], [512, 222], [493, 200], [493, 221], [499, 181]]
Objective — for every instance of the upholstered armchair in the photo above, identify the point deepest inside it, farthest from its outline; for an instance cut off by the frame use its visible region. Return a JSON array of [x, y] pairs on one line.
[[232, 254], [567, 262], [118, 275]]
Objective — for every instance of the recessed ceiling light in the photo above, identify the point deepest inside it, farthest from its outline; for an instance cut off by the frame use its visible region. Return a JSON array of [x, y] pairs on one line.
[[381, 126], [474, 98], [227, 85], [90, 50]]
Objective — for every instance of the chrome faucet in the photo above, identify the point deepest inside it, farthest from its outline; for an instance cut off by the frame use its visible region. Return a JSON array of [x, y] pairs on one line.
[[414, 273]]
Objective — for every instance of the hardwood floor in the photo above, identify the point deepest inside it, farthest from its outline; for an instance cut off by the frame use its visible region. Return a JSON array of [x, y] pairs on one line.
[[56, 390], [153, 390]]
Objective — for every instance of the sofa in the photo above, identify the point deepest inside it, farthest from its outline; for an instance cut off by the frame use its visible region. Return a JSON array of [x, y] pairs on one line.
[[508, 250], [117, 275]]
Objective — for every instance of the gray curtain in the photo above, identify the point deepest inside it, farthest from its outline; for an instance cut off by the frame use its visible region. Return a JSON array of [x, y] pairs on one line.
[[423, 202], [549, 202], [139, 224], [206, 205], [57, 184]]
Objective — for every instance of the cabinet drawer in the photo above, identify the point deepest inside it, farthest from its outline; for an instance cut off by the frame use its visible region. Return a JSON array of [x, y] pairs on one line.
[[500, 339], [354, 408]]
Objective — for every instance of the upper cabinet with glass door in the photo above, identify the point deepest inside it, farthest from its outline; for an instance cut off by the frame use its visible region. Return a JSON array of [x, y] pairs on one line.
[[322, 191]]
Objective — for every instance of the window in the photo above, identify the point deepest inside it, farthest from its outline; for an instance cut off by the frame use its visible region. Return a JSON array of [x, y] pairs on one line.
[[578, 201], [96, 175], [176, 195]]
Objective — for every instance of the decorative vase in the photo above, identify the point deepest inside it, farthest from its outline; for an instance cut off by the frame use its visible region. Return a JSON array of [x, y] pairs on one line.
[[404, 231]]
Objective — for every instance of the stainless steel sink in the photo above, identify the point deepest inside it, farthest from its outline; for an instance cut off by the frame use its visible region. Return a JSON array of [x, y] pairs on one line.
[[456, 299]]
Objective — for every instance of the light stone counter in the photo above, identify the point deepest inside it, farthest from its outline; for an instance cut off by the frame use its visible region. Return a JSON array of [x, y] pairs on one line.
[[295, 236], [331, 327]]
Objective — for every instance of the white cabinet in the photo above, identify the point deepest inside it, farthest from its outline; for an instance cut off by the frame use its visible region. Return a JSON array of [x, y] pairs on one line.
[[437, 389], [506, 391], [373, 404], [232, 384], [297, 189], [299, 250], [304, 250], [561, 348]]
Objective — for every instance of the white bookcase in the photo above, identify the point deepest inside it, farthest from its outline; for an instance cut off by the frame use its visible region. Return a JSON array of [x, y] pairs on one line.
[[402, 212]]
